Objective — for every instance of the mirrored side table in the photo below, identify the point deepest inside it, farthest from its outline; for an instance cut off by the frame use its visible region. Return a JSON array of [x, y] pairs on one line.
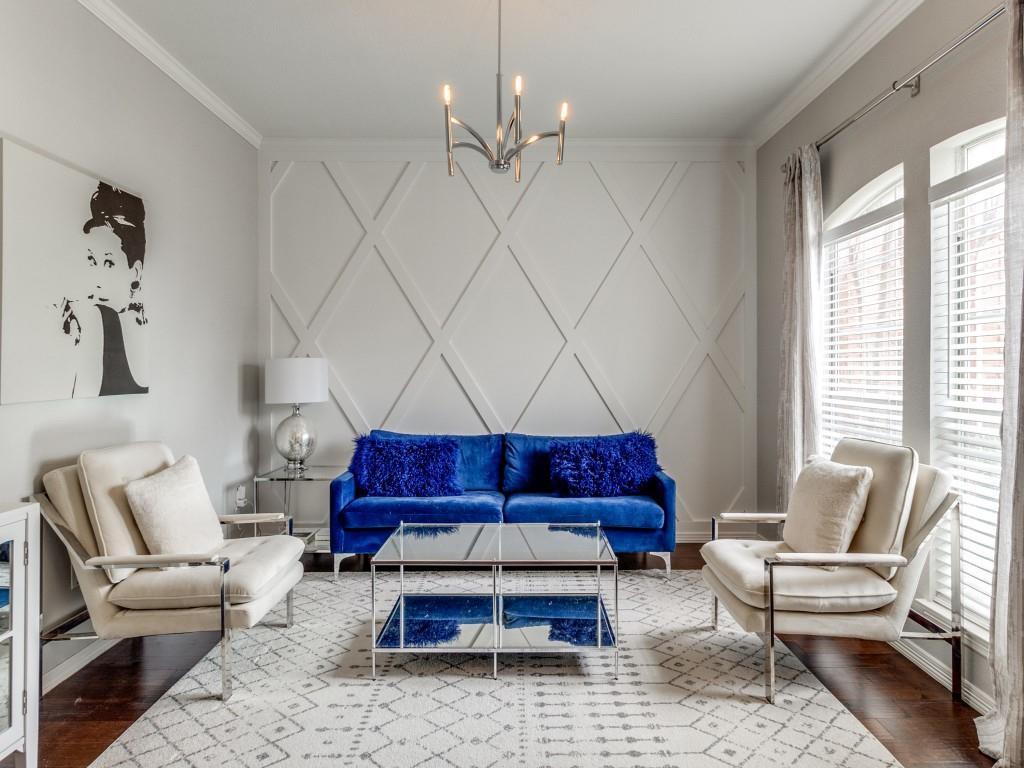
[[316, 537]]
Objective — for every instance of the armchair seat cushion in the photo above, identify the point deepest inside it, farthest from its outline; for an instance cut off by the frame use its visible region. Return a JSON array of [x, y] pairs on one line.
[[256, 565], [610, 511], [739, 565], [389, 511]]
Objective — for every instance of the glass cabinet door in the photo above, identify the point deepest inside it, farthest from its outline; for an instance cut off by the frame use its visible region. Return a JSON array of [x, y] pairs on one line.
[[12, 624]]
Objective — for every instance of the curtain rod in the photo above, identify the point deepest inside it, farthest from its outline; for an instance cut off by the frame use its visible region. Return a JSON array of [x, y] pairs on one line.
[[913, 79]]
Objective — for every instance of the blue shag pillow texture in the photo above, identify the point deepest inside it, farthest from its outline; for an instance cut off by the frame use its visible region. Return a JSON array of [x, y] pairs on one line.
[[611, 465], [415, 466]]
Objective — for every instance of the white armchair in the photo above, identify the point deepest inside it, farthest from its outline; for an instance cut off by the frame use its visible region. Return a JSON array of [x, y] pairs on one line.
[[129, 592], [769, 589]]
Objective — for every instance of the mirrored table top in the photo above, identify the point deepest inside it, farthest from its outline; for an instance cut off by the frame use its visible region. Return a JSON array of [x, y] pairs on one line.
[[496, 544], [309, 473]]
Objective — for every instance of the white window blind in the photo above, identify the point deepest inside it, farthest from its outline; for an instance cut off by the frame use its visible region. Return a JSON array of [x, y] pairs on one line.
[[862, 366], [968, 294]]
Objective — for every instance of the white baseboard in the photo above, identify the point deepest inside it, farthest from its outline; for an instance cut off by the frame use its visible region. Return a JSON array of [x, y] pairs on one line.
[[73, 664], [940, 672]]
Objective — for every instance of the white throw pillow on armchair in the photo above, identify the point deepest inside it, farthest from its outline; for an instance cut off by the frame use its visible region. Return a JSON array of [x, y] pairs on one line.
[[174, 512], [826, 507]]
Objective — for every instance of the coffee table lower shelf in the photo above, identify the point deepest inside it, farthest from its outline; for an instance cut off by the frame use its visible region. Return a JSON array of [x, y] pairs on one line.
[[488, 624]]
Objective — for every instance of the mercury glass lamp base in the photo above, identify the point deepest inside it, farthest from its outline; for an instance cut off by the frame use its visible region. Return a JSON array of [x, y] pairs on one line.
[[295, 440]]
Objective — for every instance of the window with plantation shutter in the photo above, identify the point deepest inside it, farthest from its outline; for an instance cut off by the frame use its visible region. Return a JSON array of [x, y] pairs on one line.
[[968, 291], [862, 350]]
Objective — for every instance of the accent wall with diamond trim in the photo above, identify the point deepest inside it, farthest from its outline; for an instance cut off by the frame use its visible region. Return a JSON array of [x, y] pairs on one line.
[[614, 292]]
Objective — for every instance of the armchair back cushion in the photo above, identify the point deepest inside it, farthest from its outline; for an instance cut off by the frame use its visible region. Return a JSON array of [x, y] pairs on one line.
[[173, 510], [826, 507], [65, 493], [894, 479], [104, 472], [933, 485], [480, 467]]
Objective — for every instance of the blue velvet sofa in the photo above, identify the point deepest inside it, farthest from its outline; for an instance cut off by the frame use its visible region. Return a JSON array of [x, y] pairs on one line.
[[506, 479]]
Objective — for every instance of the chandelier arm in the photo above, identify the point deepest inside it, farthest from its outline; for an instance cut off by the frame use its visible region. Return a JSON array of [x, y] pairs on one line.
[[511, 124], [471, 145], [514, 151], [483, 144]]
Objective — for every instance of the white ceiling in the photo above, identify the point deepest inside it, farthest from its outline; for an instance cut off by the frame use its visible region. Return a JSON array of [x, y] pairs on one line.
[[374, 68]]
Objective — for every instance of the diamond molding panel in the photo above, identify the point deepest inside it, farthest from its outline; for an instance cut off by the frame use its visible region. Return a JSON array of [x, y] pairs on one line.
[[615, 292]]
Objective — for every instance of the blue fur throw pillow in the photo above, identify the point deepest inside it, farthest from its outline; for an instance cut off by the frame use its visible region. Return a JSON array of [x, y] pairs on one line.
[[613, 465], [416, 466]]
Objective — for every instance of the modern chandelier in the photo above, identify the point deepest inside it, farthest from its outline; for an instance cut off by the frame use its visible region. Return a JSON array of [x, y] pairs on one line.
[[501, 158]]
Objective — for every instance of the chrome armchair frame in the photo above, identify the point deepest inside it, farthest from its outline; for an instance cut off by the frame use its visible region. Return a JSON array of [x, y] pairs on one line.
[[83, 560], [954, 635]]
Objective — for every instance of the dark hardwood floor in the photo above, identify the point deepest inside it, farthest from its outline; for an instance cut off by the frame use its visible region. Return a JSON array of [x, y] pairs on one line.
[[906, 710]]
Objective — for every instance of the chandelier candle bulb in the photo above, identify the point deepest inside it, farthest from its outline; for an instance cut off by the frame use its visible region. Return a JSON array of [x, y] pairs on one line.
[[519, 85]]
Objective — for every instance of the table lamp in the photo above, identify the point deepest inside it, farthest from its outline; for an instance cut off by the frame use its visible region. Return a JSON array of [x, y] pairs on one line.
[[294, 381]]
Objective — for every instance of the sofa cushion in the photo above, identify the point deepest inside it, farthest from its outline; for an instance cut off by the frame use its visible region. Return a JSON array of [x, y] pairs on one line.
[[256, 564], [611, 511], [739, 565], [527, 463], [173, 510], [480, 469], [389, 511], [103, 473]]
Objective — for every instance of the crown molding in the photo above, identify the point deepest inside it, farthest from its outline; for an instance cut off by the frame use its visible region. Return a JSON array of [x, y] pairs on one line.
[[861, 39], [140, 40]]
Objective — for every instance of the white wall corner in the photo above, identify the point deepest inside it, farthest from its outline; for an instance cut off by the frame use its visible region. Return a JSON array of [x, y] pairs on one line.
[[140, 40], [843, 55]]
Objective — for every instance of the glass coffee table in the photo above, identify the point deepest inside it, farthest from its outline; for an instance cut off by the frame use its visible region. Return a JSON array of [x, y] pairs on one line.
[[534, 620]]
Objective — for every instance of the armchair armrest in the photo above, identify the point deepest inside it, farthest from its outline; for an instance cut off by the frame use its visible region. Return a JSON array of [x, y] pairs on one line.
[[251, 517], [837, 559], [184, 560], [662, 489], [752, 517]]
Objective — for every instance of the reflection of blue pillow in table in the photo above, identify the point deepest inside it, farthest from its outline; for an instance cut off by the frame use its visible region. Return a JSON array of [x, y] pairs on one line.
[[571, 618], [5, 597], [432, 620]]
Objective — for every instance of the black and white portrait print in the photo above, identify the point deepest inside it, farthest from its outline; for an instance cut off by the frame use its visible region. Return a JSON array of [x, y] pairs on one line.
[[73, 320]]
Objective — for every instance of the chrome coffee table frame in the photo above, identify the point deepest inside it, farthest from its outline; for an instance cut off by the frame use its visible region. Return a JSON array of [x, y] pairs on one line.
[[497, 546]]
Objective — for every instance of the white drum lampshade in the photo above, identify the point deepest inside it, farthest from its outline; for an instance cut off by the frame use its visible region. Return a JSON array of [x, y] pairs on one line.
[[295, 380]]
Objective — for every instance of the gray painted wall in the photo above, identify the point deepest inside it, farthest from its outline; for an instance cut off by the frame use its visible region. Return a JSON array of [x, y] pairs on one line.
[[967, 89], [73, 88]]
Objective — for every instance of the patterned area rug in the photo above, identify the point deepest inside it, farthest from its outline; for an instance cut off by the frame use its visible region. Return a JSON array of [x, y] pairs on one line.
[[685, 696]]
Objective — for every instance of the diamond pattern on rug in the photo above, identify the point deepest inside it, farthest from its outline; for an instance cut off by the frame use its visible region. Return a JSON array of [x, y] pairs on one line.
[[685, 695]]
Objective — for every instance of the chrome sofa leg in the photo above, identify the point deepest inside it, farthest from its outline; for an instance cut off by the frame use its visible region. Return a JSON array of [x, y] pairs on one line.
[[338, 557], [225, 637], [667, 557]]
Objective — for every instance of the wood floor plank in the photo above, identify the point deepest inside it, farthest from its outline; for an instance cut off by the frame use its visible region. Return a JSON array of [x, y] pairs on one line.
[[908, 712]]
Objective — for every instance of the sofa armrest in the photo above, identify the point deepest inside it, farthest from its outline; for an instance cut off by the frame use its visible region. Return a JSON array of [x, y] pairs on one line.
[[663, 490], [343, 492]]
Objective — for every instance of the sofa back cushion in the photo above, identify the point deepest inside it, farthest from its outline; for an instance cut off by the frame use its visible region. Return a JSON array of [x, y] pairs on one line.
[[104, 472], [527, 463], [480, 468]]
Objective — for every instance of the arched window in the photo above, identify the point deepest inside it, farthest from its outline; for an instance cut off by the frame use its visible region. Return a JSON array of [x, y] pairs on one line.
[[968, 291], [862, 352]]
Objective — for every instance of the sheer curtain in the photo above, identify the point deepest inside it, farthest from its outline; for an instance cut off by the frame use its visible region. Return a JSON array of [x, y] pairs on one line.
[[1000, 731], [799, 405]]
